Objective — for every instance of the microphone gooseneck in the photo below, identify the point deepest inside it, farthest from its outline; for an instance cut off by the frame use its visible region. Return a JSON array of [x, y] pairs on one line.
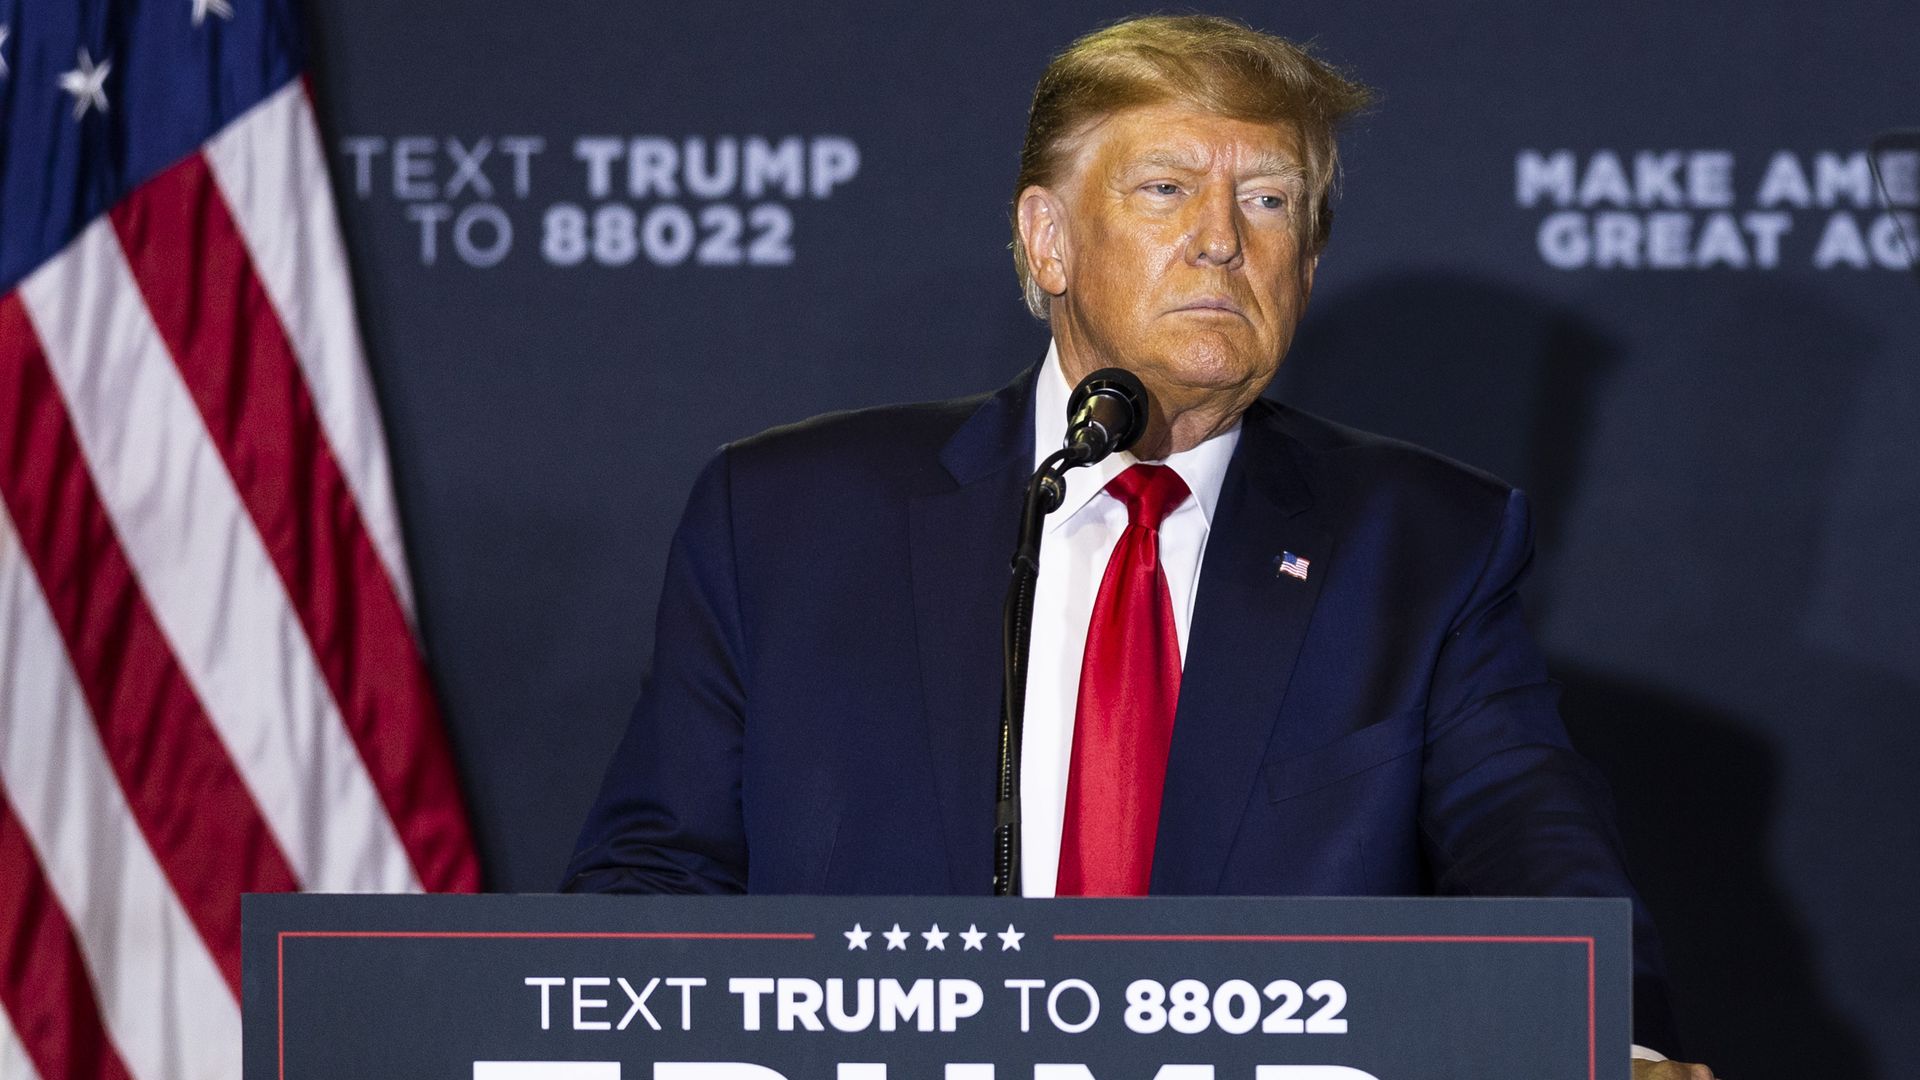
[[1106, 413]]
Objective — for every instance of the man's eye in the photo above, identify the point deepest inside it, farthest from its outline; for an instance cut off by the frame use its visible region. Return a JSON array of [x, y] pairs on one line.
[[1162, 187], [1270, 202]]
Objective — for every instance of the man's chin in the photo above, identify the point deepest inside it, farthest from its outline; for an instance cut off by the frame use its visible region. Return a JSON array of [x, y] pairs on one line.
[[1202, 367]]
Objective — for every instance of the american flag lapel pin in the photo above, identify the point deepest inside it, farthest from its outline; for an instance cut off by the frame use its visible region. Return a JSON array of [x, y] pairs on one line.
[[1290, 564]]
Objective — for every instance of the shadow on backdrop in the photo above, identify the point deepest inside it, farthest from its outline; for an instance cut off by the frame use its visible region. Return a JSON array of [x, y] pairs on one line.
[[1510, 382]]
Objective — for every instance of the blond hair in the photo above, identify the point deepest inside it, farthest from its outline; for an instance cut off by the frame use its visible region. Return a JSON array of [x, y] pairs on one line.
[[1213, 64]]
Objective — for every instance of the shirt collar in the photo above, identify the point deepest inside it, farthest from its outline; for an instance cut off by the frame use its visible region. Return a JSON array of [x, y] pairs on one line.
[[1204, 467]]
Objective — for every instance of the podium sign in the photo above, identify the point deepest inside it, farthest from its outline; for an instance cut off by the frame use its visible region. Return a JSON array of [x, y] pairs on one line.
[[950, 988]]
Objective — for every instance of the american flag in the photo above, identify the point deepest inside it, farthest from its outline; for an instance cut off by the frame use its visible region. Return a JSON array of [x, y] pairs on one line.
[[209, 679], [1290, 564]]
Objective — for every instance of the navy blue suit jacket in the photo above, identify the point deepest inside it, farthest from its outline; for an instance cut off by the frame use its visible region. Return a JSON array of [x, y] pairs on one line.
[[822, 711]]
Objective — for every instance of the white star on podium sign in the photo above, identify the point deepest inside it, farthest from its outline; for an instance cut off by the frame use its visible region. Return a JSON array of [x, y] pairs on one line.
[[218, 7], [973, 936], [936, 938], [87, 83], [857, 938], [3, 44], [1010, 938], [896, 938]]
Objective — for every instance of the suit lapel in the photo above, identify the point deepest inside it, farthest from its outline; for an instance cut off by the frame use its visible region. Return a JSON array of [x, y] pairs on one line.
[[1248, 623], [962, 538]]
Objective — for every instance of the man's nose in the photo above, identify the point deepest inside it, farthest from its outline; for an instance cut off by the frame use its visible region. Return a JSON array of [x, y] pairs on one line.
[[1215, 231]]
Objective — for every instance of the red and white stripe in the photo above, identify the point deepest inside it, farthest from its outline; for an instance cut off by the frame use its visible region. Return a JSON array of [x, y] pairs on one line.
[[209, 679], [273, 172], [13, 1057]]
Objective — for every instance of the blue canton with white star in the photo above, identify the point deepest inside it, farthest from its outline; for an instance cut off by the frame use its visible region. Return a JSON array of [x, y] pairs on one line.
[[97, 96]]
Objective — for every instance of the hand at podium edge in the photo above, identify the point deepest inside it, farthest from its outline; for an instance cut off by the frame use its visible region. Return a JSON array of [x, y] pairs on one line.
[[1669, 1070]]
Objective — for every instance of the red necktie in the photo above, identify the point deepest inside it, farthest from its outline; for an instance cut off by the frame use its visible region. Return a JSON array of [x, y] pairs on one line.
[[1129, 687]]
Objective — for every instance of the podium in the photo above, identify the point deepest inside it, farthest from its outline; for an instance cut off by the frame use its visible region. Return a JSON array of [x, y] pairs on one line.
[[933, 988]]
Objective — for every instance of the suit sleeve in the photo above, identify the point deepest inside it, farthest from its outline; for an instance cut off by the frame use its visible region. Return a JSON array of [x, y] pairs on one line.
[[1508, 807], [668, 817]]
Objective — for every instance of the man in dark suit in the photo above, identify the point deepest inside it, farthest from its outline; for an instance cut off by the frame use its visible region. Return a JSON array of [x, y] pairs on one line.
[[1271, 655]]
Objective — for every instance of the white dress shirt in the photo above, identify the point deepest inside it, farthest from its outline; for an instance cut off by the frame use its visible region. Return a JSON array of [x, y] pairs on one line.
[[1079, 538]]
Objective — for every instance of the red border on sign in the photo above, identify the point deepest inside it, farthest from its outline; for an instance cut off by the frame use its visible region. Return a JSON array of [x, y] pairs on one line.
[[280, 960], [1471, 939]]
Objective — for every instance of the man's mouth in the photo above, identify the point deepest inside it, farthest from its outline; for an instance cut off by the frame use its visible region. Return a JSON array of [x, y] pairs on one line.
[[1221, 304]]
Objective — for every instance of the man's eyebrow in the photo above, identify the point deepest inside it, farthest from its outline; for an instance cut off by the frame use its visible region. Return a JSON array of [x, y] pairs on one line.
[[1165, 158], [1276, 166]]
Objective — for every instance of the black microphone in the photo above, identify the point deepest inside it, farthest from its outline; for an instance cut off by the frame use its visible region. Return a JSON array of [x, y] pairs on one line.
[[1106, 414]]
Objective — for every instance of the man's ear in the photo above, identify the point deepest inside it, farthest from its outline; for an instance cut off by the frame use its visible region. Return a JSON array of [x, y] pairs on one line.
[[1043, 233], [1308, 265]]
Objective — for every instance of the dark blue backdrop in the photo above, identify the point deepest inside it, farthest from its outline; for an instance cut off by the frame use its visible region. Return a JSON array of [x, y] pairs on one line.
[[1629, 259]]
